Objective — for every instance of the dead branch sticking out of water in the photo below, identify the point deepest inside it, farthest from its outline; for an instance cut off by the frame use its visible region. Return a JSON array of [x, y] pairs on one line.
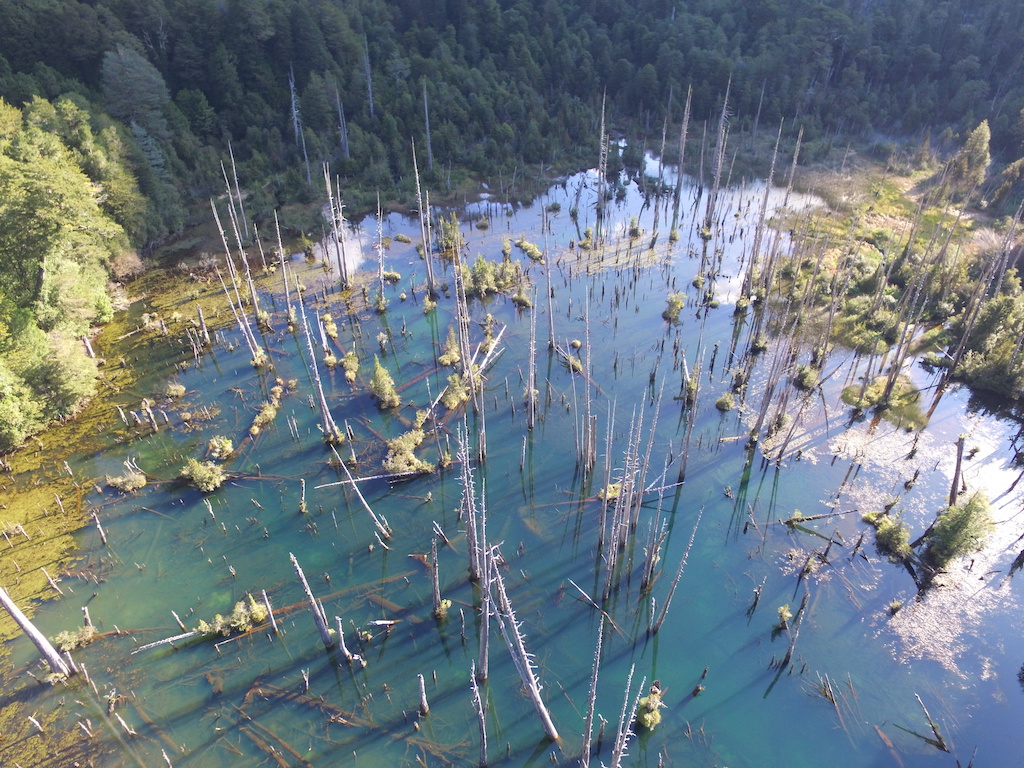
[[675, 582], [588, 726], [510, 630], [625, 729], [481, 713]]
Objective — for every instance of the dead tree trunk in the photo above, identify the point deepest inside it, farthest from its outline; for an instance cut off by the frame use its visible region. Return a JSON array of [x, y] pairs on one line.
[[318, 612], [523, 661]]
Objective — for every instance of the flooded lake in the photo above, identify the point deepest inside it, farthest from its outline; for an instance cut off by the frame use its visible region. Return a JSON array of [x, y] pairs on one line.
[[854, 670]]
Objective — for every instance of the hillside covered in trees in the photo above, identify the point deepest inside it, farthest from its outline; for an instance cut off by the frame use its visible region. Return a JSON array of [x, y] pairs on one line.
[[123, 111]]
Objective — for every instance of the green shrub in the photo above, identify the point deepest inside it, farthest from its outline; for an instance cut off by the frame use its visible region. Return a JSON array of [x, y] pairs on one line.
[[203, 475], [675, 302], [350, 364], [959, 531], [725, 402], [456, 393], [130, 482], [220, 447], [247, 614], [451, 355], [401, 456], [892, 537], [383, 386], [806, 378]]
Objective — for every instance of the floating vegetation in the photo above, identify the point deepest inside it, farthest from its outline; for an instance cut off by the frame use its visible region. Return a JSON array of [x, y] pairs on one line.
[[246, 614], [892, 536], [401, 457], [531, 250], [68, 641], [401, 237], [330, 327], [648, 713], [391, 276], [219, 448], [268, 409], [175, 390], [676, 302], [958, 531], [130, 482], [726, 402], [456, 393], [350, 365], [203, 475], [901, 406], [488, 277]]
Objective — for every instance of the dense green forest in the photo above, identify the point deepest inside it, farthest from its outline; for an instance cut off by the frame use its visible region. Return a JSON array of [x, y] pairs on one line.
[[118, 114]]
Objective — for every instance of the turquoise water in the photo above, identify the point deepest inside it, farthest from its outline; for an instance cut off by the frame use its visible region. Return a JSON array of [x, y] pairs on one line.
[[246, 700]]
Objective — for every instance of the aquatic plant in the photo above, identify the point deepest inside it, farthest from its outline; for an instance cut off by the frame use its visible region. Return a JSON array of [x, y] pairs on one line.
[[203, 475], [175, 390], [130, 482], [648, 713], [531, 250], [330, 327], [382, 386], [68, 641], [450, 356], [401, 457], [350, 364], [220, 447], [456, 393], [725, 403], [676, 302], [246, 614], [892, 537], [958, 531]]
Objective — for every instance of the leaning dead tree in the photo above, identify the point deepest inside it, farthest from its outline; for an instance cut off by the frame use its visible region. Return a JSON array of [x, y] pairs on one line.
[[49, 653], [318, 611], [331, 433], [510, 630]]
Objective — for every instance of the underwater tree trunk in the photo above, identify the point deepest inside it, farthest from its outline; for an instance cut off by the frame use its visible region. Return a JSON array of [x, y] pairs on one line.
[[46, 649]]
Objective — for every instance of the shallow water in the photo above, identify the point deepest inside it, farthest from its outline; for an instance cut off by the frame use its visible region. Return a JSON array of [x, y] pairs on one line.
[[245, 701]]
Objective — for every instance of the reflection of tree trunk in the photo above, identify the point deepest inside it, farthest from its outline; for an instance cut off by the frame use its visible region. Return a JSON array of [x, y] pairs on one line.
[[954, 489]]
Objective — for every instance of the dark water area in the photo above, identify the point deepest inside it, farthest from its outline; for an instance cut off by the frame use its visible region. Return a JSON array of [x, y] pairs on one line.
[[849, 691]]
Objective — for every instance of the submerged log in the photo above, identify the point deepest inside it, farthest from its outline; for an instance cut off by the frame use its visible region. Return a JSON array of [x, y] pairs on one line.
[[49, 653]]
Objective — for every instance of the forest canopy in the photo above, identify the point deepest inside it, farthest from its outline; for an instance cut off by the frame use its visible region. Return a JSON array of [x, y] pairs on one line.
[[66, 198], [500, 83]]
